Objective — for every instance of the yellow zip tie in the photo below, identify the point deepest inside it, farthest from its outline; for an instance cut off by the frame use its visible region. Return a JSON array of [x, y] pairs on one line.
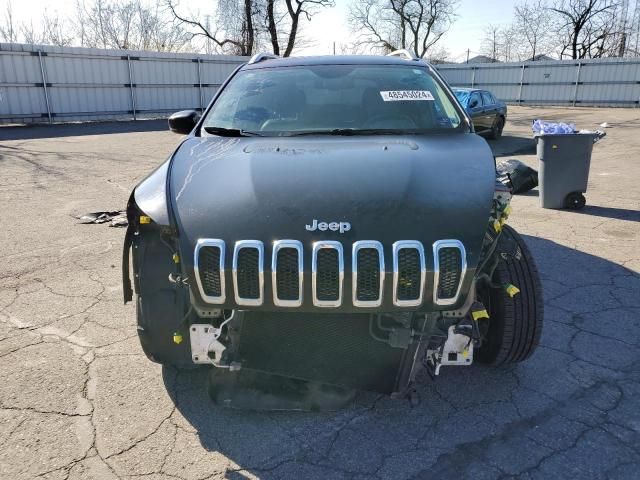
[[507, 211], [511, 290], [497, 226], [176, 258], [177, 338], [144, 219], [478, 314]]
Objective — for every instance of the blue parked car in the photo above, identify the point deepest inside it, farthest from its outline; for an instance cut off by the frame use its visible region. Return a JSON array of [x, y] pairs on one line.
[[489, 114]]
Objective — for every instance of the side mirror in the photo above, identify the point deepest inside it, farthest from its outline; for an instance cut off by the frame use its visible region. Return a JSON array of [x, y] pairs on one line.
[[473, 103], [183, 122]]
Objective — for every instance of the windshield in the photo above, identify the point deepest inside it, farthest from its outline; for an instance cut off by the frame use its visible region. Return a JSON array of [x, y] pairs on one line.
[[332, 99]]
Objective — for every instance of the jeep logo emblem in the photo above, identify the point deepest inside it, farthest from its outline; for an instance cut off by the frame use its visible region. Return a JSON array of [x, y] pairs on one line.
[[333, 226]]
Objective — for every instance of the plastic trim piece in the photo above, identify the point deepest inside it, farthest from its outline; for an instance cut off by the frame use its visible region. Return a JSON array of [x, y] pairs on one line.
[[357, 246], [437, 246], [277, 246], [410, 245], [210, 242], [317, 246], [258, 245]]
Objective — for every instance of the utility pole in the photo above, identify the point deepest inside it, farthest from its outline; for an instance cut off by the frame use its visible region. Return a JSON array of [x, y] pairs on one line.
[[334, 48], [468, 55]]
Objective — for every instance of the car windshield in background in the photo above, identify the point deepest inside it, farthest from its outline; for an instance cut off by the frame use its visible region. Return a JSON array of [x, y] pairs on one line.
[[462, 96], [332, 100]]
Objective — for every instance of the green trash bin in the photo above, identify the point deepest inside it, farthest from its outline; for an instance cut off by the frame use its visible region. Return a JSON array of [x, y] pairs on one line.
[[563, 173]]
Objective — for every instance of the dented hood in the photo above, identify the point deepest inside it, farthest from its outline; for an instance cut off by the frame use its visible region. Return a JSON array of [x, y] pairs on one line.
[[387, 188]]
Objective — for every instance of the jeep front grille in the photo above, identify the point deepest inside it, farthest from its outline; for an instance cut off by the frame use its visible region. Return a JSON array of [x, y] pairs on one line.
[[409, 273], [450, 265], [248, 273], [209, 269], [286, 273], [327, 273], [368, 273]]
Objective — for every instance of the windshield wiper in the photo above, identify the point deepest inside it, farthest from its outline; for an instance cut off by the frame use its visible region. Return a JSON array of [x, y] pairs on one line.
[[230, 132], [353, 131]]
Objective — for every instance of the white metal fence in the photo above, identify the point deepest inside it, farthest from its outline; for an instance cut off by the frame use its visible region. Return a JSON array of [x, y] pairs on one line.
[[56, 84], [597, 82]]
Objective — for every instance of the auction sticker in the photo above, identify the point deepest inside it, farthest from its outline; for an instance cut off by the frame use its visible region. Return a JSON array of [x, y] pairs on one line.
[[406, 95]]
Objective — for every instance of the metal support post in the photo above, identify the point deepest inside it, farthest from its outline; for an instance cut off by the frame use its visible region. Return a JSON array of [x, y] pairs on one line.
[[44, 85], [133, 95]]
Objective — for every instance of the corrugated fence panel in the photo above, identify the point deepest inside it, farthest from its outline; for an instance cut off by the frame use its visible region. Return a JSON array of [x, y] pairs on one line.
[[69, 84], [93, 84], [600, 82]]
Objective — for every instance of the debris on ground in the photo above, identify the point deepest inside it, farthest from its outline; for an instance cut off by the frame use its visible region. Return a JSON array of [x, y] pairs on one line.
[[521, 177], [117, 218]]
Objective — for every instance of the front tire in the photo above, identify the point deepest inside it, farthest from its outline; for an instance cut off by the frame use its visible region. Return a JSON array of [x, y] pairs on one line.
[[512, 332]]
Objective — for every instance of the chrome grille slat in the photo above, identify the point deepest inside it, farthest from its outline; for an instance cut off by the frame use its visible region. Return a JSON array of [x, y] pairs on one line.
[[367, 273], [248, 283], [210, 274], [327, 277], [287, 273], [449, 271], [409, 273]]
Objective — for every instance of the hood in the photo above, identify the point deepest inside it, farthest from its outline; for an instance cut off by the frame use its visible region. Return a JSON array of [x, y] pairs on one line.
[[387, 188]]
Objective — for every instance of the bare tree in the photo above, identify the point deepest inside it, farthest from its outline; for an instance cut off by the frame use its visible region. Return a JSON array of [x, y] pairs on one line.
[[491, 45], [235, 30], [55, 31], [585, 27], [8, 30], [415, 25], [288, 25], [534, 23], [128, 24], [509, 44]]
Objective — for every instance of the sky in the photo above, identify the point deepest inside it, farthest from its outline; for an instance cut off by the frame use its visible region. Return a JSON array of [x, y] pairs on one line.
[[330, 25]]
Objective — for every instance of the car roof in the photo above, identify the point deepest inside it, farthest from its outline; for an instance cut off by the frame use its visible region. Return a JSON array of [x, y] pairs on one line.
[[470, 90], [334, 60]]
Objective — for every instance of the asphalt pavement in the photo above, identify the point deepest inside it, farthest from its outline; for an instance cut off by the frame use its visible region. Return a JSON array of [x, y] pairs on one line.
[[79, 400]]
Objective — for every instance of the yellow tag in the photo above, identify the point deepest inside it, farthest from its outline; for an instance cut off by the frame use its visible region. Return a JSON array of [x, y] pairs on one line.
[[176, 258], [144, 219], [497, 226], [512, 290], [177, 338], [478, 314]]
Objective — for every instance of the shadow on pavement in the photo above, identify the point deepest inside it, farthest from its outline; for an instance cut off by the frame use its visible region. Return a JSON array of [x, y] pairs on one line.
[[470, 420], [30, 132], [611, 212]]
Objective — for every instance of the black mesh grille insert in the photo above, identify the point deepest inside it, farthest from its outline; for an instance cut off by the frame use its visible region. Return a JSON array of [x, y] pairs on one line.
[[247, 273], [450, 266], [368, 288], [209, 270], [408, 274], [327, 275], [287, 274]]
